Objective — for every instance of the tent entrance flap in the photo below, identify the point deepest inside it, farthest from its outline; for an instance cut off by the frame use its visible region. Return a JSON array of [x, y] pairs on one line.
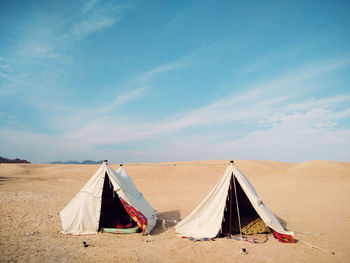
[[113, 214], [251, 223]]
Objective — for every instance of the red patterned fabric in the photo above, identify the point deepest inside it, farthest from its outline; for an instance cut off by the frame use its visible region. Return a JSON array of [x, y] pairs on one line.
[[138, 217], [121, 226], [283, 238]]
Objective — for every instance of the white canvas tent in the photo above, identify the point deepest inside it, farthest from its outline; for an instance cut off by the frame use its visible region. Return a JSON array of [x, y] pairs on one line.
[[86, 212], [206, 220]]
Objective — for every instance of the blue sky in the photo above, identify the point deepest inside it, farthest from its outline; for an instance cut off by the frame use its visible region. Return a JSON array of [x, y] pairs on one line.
[[153, 81]]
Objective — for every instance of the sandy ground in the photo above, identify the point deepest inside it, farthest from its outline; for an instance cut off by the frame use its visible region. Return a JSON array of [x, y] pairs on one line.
[[310, 197]]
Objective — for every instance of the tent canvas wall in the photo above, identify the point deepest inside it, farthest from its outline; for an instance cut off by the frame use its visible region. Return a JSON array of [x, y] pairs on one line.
[[107, 198], [209, 218]]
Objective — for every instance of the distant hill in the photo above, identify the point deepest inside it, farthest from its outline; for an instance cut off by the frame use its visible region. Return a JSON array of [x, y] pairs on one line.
[[77, 162], [5, 160]]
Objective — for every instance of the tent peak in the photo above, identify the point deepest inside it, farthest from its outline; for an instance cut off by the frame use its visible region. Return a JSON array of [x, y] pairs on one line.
[[105, 161], [121, 164], [232, 162]]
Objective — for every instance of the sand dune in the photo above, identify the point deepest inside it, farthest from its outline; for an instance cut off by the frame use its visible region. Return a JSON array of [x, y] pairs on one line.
[[312, 197]]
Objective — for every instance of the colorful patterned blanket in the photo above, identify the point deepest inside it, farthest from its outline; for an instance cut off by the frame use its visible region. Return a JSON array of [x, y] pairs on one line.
[[137, 216]]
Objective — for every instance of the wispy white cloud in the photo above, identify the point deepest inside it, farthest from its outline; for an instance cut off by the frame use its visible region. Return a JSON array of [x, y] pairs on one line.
[[181, 63], [124, 98], [270, 59], [91, 116], [317, 103], [49, 36], [94, 16], [211, 115], [292, 136], [296, 137], [6, 66], [12, 79], [312, 134], [5, 76], [120, 100], [86, 27], [257, 105], [42, 49], [89, 5], [296, 79]]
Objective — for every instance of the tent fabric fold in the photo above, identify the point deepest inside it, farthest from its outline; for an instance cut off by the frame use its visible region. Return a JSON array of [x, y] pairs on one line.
[[206, 219]]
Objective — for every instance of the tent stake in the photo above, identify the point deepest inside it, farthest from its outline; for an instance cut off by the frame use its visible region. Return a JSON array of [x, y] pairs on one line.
[[313, 246]]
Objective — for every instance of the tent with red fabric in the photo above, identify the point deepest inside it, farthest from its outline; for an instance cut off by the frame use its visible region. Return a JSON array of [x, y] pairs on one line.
[[232, 207], [108, 200]]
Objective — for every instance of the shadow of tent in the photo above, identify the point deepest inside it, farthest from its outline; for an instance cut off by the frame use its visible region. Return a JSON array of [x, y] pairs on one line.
[[168, 215], [283, 222]]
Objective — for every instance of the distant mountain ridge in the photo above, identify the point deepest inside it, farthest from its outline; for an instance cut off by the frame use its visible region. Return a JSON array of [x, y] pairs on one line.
[[77, 162], [6, 160]]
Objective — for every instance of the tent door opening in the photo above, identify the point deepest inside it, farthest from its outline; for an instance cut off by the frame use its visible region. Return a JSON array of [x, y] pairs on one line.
[[113, 213], [251, 223]]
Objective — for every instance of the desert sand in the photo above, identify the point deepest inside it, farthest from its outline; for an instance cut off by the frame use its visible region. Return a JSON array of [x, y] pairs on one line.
[[311, 197]]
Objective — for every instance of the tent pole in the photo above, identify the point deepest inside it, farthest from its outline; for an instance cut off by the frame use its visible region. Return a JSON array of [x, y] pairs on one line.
[[230, 221], [243, 250]]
